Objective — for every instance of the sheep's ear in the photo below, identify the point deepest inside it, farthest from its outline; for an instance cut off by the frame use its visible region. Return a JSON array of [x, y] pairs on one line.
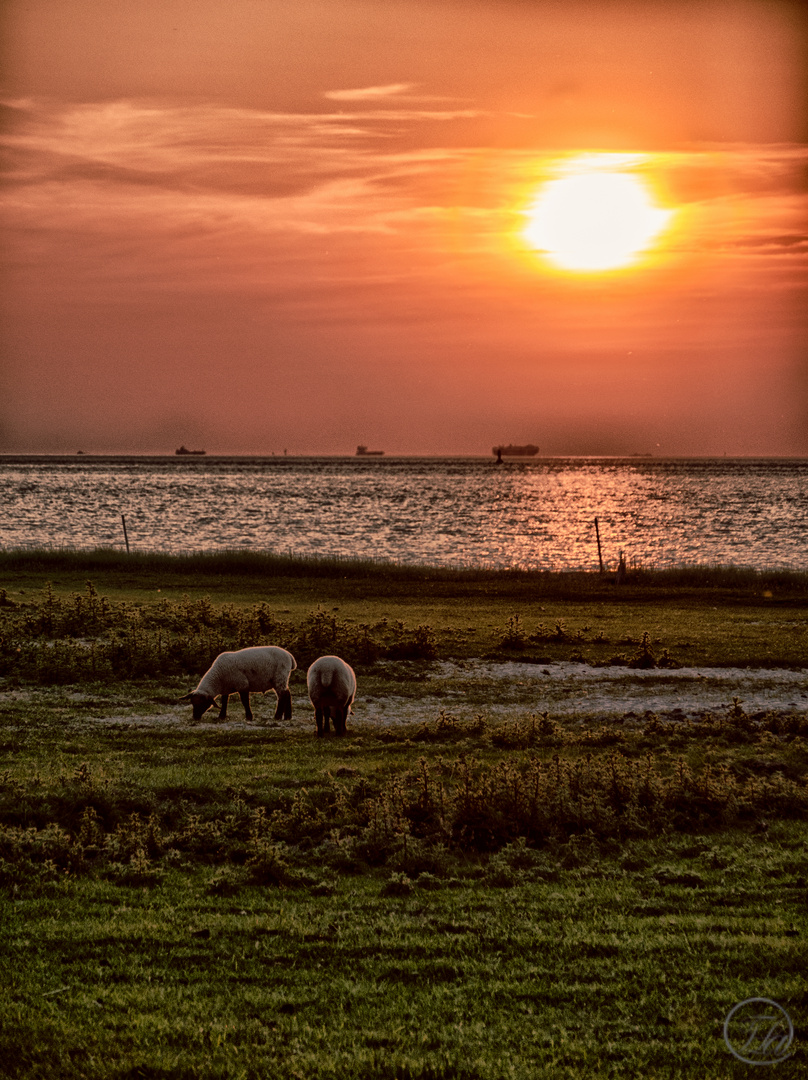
[[186, 698]]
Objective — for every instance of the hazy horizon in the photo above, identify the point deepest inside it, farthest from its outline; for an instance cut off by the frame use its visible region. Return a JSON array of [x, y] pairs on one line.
[[515, 460]]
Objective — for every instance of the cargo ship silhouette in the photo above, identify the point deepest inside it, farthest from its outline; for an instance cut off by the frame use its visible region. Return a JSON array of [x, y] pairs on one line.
[[511, 450], [362, 451], [184, 450]]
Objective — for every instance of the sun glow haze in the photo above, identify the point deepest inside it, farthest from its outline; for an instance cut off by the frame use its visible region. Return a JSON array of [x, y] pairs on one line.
[[594, 217]]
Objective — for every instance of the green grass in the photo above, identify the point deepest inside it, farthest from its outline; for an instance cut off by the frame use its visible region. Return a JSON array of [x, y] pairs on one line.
[[168, 935], [531, 898], [605, 969], [232, 570], [168, 615]]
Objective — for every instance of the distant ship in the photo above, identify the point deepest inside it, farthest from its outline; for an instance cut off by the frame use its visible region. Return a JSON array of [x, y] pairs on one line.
[[184, 451], [362, 451], [528, 450]]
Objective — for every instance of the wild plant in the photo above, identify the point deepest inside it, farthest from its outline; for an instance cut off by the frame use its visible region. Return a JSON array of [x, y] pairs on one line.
[[303, 821], [135, 837], [204, 839], [33, 850], [83, 615], [386, 826], [550, 785], [139, 870], [268, 860], [225, 881], [321, 634], [417, 644], [398, 884], [644, 657], [535, 730], [514, 636], [88, 638], [559, 635], [90, 833]]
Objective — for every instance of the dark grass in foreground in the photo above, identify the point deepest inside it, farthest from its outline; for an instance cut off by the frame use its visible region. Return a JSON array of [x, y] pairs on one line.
[[263, 565], [248, 903], [611, 968], [79, 798], [240, 904]]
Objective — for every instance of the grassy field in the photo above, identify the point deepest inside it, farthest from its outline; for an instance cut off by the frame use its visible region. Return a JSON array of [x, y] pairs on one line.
[[466, 895]]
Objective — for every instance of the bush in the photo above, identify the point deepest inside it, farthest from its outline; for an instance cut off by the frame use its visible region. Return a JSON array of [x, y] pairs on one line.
[[87, 638], [422, 821], [398, 885]]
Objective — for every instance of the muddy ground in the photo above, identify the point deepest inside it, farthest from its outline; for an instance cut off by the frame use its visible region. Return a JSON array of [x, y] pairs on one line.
[[496, 690]]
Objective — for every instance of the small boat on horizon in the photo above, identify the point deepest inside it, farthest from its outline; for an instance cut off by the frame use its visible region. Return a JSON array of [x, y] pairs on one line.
[[362, 451], [183, 451]]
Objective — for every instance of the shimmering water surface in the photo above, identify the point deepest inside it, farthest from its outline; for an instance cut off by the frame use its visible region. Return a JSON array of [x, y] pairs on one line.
[[536, 513]]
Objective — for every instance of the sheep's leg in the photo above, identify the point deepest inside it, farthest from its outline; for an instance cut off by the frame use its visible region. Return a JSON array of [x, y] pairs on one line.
[[284, 709], [327, 718], [223, 709], [318, 716], [339, 720], [245, 701]]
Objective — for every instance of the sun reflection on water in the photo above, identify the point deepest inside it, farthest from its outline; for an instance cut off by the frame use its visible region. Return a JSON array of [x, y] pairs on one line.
[[444, 512]]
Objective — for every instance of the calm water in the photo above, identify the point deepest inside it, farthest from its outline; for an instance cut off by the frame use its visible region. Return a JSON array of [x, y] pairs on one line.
[[440, 511]]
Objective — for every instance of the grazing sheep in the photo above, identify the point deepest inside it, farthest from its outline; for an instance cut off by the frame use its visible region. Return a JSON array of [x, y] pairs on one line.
[[256, 670], [332, 689]]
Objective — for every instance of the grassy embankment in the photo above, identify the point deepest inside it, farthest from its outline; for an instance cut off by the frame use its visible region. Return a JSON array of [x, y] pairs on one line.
[[455, 898]]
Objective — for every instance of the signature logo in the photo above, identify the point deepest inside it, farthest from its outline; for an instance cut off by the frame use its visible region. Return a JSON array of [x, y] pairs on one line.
[[758, 1031]]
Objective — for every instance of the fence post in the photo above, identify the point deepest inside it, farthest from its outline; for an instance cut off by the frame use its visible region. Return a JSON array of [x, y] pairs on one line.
[[597, 534], [125, 537]]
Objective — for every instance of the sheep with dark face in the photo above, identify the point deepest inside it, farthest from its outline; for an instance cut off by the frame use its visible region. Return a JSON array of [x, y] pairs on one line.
[[255, 670], [332, 689]]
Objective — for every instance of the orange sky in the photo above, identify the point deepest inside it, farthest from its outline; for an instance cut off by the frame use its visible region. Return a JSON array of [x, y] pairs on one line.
[[267, 225]]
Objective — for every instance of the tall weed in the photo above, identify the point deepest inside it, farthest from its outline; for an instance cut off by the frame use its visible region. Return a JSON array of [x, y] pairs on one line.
[[84, 638]]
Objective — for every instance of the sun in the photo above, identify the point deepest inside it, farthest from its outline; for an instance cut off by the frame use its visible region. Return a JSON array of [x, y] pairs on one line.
[[594, 218]]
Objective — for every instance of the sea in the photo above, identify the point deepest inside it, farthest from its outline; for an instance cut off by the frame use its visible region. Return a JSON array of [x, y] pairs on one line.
[[555, 514]]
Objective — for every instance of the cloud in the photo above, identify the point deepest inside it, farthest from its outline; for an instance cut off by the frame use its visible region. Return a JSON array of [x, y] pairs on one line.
[[369, 93], [217, 145], [791, 243], [180, 195]]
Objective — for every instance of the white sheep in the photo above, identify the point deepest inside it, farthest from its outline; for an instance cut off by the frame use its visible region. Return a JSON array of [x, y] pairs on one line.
[[332, 689], [255, 670]]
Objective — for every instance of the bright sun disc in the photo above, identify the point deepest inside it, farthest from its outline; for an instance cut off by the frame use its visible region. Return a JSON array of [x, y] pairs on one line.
[[594, 220]]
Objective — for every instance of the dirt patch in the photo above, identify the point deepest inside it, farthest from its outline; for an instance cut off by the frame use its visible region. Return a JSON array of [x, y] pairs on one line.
[[500, 691], [511, 689]]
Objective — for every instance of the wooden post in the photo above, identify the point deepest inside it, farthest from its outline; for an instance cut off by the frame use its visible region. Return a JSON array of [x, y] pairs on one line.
[[126, 538], [597, 534], [620, 577]]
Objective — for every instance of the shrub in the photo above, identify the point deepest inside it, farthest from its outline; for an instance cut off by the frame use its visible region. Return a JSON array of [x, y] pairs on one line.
[[514, 636], [397, 885]]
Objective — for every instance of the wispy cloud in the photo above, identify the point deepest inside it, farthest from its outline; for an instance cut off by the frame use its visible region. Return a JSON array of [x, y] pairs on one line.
[[369, 93], [209, 140], [216, 187]]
